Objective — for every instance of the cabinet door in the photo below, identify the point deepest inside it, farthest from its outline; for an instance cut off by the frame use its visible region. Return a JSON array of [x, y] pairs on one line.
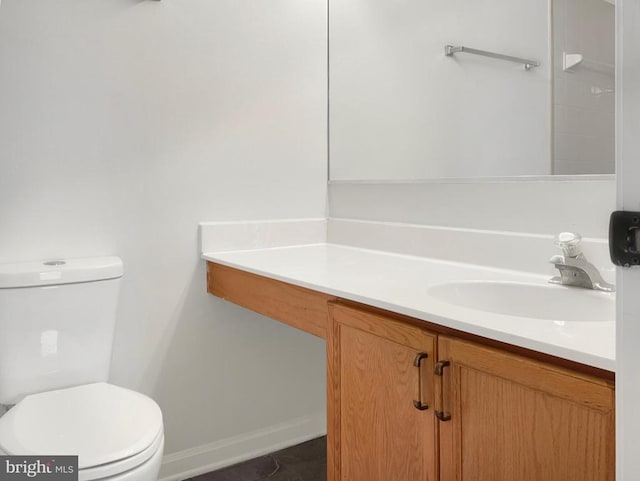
[[380, 381], [513, 418]]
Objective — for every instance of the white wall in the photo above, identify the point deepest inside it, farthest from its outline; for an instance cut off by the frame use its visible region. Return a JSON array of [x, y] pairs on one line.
[[534, 206], [123, 123], [401, 109], [584, 107]]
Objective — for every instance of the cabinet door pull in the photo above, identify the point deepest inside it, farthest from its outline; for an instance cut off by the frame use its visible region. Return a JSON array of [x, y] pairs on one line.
[[417, 362], [438, 370]]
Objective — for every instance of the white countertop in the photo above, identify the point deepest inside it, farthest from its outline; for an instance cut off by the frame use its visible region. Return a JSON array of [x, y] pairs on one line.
[[399, 283]]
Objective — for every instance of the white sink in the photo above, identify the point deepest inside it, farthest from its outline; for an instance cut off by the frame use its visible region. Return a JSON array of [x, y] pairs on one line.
[[538, 301]]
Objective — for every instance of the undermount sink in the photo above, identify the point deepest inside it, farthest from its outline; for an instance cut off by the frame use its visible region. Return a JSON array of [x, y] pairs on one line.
[[537, 301]]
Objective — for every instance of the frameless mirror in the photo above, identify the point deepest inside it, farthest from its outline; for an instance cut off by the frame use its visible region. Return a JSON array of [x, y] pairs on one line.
[[402, 109]]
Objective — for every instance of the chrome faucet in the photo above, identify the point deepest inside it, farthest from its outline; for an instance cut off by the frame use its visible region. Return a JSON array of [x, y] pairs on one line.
[[575, 269]]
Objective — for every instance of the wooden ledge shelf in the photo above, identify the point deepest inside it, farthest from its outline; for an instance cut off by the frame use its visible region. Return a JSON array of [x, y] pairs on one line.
[[296, 306]]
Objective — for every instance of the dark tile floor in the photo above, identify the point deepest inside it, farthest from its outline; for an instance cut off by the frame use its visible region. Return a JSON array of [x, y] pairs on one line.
[[304, 462]]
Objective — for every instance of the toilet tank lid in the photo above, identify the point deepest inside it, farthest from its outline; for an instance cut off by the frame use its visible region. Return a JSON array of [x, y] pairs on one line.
[[59, 271]]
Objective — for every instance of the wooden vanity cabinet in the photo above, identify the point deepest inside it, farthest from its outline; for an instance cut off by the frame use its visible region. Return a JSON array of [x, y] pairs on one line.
[[513, 418], [380, 393], [503, 415], [492, 415]]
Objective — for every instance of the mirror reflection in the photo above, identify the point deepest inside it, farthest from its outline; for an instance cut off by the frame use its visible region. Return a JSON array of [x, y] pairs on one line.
[[402, 109]]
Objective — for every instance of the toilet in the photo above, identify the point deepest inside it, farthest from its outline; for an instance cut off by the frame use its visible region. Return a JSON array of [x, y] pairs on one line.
[[56, 332]]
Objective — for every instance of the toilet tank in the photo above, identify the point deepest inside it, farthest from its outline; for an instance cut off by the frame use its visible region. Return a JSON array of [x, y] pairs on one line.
[[56, 324]]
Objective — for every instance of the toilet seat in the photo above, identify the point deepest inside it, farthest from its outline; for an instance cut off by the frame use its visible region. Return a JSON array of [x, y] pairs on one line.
[[117, 467], [110, 428]]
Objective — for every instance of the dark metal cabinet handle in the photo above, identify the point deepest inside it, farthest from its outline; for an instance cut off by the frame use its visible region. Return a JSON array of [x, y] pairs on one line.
[[417, 362], [438, 370]]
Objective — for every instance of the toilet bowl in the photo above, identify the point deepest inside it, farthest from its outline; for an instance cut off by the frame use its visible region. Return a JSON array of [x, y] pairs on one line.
[[116, 433], [57, 320]]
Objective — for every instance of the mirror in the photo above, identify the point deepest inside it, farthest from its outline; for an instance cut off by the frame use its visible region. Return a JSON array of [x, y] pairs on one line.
[[401, 109]]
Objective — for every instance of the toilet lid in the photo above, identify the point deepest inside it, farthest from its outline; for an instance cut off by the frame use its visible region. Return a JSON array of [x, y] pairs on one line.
[[100, 423]]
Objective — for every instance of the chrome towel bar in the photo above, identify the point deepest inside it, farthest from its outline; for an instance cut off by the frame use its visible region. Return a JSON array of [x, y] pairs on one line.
[[449, 50]]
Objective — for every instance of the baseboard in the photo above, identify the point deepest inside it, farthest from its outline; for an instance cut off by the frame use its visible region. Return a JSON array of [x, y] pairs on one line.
[[209, 457]]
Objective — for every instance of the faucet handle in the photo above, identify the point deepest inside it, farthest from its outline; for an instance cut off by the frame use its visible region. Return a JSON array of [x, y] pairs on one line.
[[569, 242]]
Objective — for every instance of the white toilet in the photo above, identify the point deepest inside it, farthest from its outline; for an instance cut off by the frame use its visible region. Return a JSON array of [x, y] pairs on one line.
[[56, 332]]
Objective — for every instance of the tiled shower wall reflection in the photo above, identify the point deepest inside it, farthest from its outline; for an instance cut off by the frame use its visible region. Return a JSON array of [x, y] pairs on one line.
[[584, 96]]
